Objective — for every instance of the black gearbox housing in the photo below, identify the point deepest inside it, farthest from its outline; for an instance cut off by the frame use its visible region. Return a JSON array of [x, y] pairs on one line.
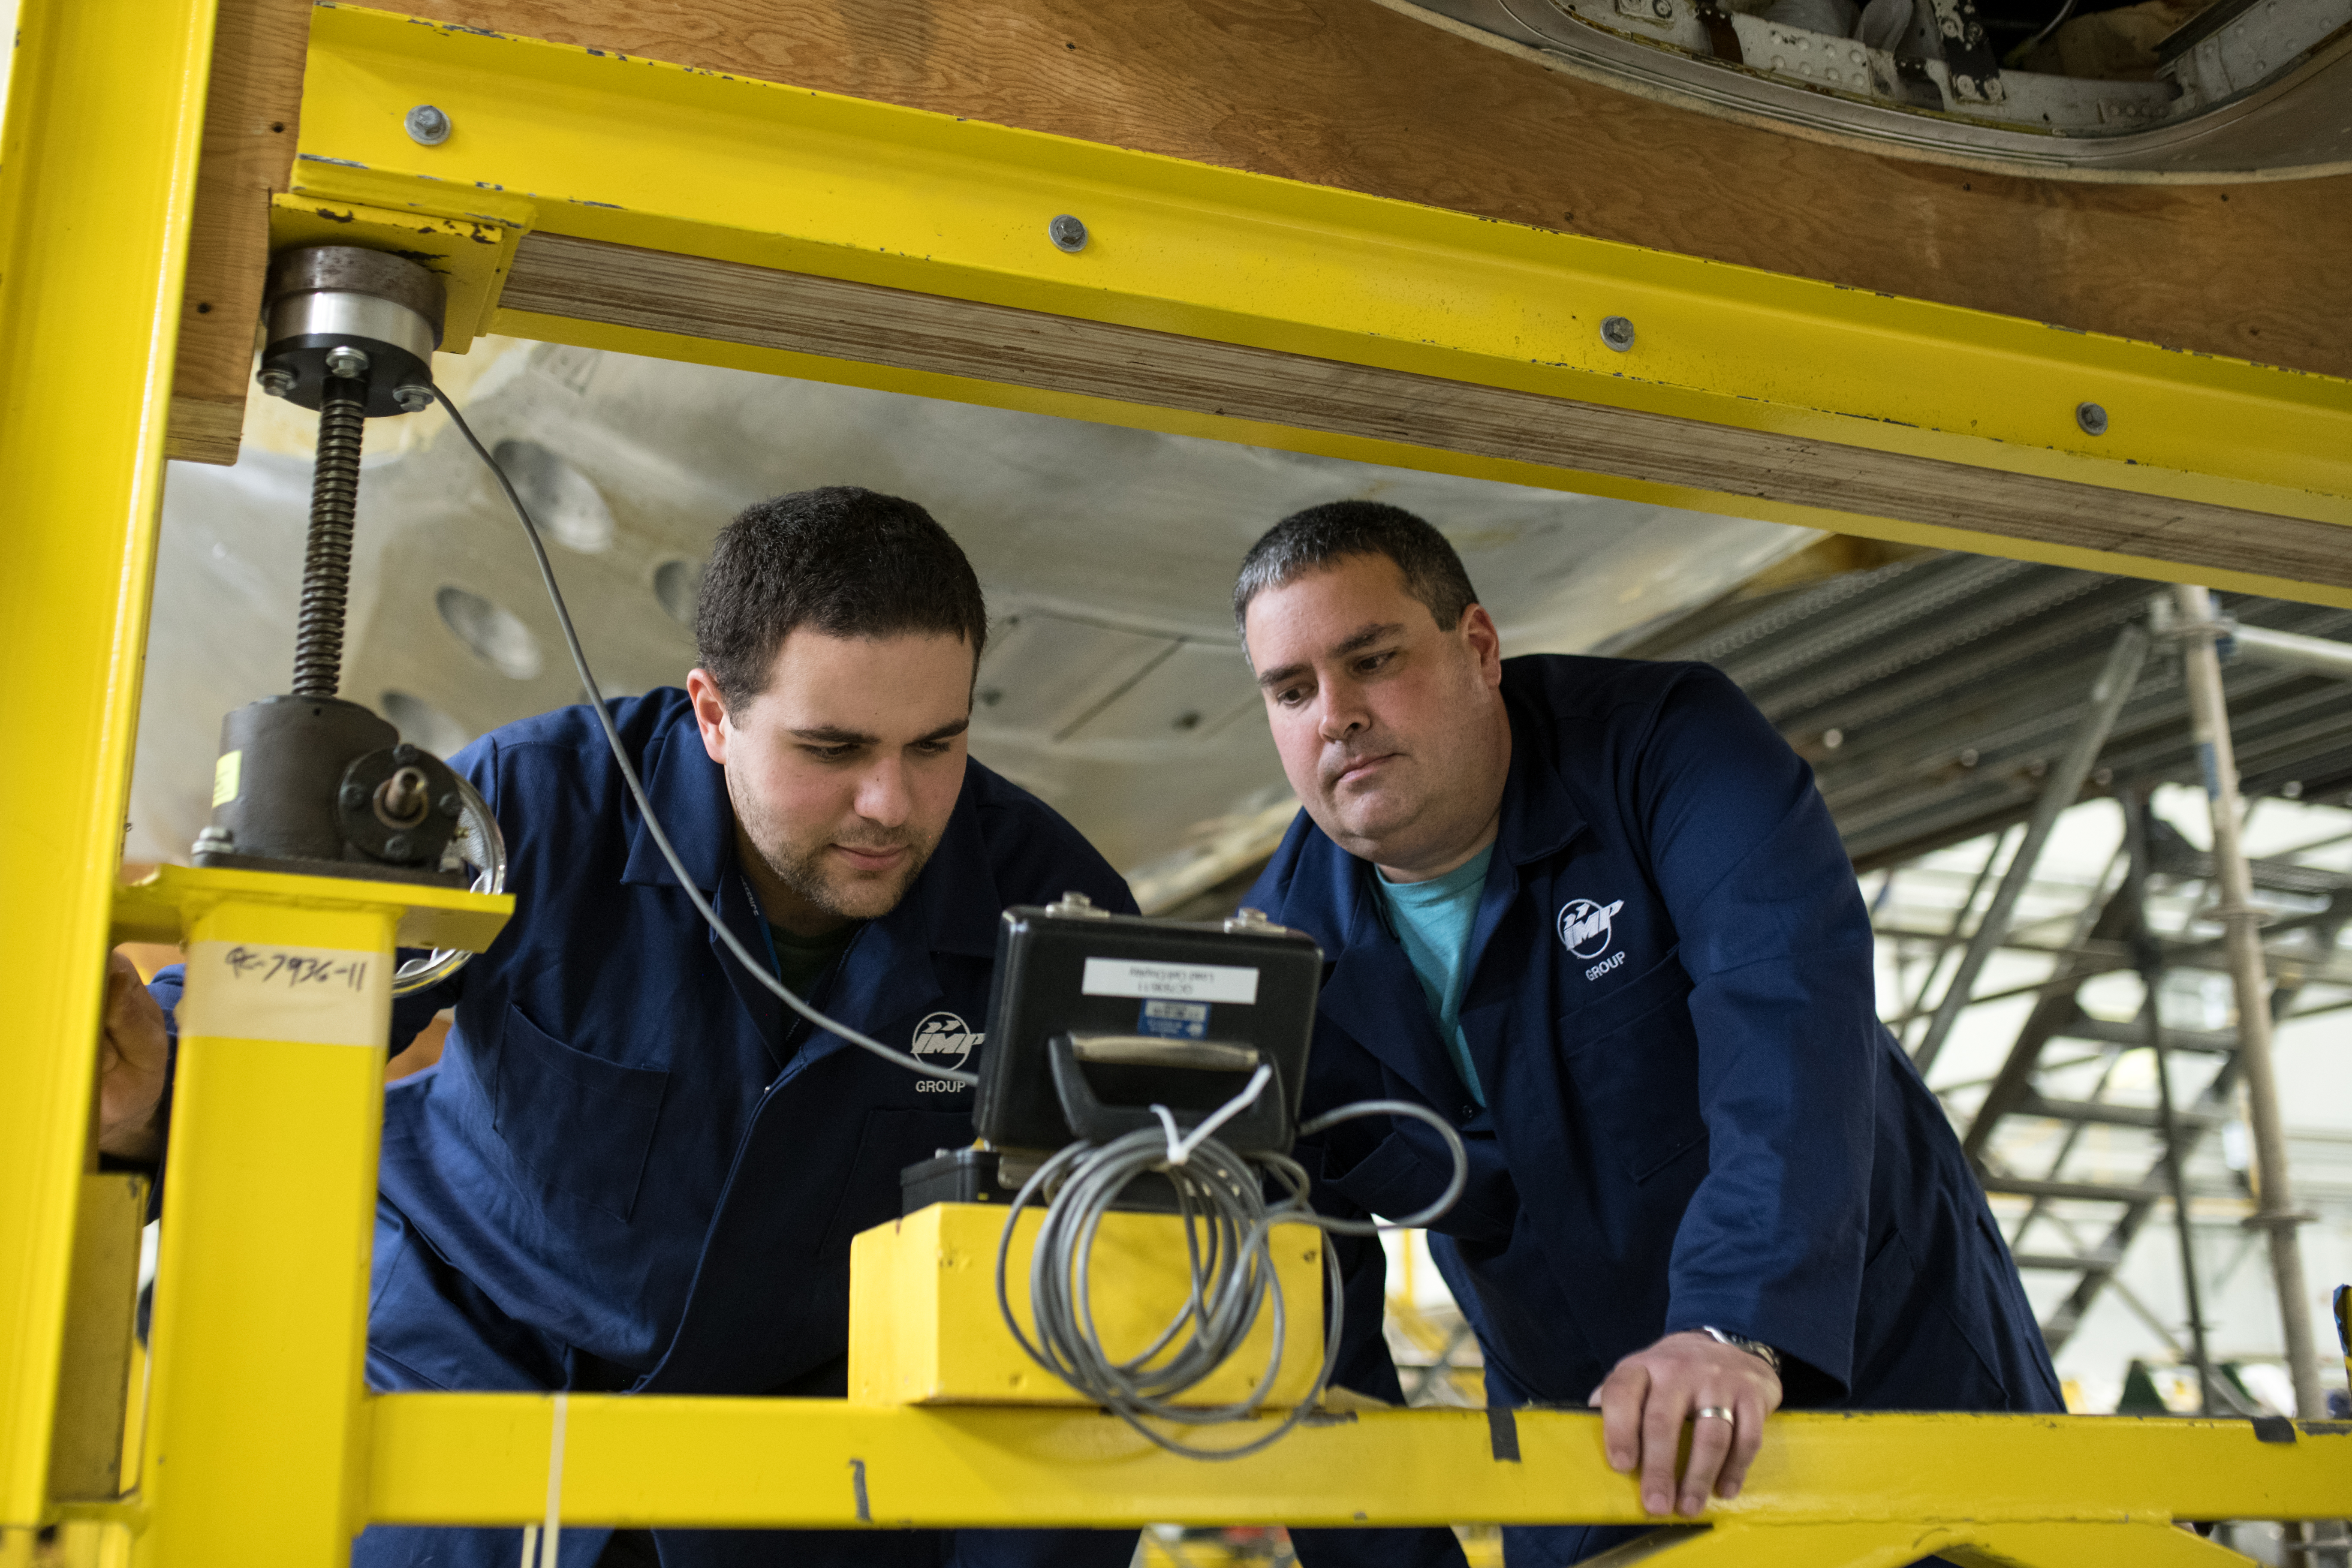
[[307, 792]]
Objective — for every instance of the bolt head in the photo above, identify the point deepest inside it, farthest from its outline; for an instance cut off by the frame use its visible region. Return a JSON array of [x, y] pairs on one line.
[[414, 398], [354, 797], [427, 126], [1067, 234], [1664, 10], [277, 382], [2092, 418], [347, 361], [1617, 331], [397, 846], [404, 754], [450, 805]]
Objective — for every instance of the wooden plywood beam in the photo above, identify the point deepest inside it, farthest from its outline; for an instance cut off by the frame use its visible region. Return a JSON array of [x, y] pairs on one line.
[[1349, 94], [677, 211], [251, 118], [558, 278]]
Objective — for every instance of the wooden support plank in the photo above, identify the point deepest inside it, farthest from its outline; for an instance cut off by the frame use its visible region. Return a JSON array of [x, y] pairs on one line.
[[94, 1373], [250, 122], [592, 280], [1350, 94]]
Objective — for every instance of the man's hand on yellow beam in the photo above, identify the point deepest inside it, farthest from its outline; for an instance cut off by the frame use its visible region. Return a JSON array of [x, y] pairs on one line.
[[130, 1060], [1647, 1399]]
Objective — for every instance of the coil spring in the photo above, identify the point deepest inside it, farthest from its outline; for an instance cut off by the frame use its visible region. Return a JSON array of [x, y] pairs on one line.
[[327, 556]]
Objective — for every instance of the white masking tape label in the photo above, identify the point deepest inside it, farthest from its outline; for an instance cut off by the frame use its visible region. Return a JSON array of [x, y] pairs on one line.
[[263, 991], [1177, 981]]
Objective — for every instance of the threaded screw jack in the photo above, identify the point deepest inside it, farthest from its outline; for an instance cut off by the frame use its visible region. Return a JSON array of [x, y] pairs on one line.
[[327, 557]]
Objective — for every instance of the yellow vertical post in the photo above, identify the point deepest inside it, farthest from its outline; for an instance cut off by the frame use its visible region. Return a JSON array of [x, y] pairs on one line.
[[98, 165], [255, 1448]]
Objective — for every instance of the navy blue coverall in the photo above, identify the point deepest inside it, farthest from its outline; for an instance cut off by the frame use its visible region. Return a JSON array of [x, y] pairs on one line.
[[632, 1168], [1694, 1116]]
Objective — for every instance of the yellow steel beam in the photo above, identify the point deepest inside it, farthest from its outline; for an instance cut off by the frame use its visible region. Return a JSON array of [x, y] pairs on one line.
[[924, 1327], [257, 1434], [97, 170], [2065, 1545], [583, 145], [158, 907], [482, 1459]]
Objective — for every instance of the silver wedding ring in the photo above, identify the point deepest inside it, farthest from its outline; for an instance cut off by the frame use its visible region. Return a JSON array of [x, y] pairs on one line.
[[1714, 1412]]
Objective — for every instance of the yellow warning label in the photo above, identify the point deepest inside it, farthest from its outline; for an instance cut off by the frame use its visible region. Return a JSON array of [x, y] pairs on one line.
[[224, 776]]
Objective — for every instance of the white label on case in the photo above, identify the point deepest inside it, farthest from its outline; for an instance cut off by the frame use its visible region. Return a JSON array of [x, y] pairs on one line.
[[1175, 981], [266, 991]]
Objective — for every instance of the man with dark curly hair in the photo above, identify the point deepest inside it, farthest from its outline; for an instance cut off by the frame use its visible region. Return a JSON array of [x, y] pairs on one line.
[[632, 1168]]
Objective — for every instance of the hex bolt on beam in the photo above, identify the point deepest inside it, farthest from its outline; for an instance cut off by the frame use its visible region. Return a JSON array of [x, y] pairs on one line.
[[427, 126]]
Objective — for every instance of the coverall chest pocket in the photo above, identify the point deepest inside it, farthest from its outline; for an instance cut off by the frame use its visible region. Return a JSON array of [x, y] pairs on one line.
[[1632, 1057], [577, 1121]]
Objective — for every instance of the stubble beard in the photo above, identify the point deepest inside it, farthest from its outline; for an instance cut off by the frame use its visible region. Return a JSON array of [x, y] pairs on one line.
[[874, 898], [802, 868]]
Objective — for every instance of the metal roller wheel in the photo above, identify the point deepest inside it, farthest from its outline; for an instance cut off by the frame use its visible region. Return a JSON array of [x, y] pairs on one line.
[[480, 844]]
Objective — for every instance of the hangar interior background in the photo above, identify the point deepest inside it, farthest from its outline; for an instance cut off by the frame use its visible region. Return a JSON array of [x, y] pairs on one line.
[[1933, 692]]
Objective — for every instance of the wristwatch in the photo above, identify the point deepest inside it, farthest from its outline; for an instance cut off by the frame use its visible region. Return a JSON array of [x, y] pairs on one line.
[[1756, 1348]]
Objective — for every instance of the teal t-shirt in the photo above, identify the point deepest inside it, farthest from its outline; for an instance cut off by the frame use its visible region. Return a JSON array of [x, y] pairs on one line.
[[1433, 922]]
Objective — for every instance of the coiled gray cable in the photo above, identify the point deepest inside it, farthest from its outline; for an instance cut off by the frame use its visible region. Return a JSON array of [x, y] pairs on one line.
[[1228, 1234]]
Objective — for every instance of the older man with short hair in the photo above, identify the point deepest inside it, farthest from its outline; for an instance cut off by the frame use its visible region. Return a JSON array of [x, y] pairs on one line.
[[1595, 912]]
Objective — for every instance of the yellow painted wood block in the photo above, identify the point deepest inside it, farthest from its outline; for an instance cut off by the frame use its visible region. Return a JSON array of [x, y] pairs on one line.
[[925, 1329]]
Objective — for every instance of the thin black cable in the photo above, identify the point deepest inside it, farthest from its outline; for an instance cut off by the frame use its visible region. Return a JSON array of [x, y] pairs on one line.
[[637, 790]]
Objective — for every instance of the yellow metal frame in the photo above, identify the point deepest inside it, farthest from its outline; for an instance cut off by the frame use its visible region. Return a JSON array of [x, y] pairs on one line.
[[573, 142], [257, 1436], [482, 1459], [259, 1441], [925, 1326], [97, 177]]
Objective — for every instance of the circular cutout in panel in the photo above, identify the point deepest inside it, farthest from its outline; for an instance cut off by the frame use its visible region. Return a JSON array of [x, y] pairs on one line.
[[422, 725], [562, 501], [679, 586], [496, 637]]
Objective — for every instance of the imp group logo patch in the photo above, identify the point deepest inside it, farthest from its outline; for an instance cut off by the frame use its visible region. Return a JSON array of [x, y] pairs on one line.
[[1584, 927], [944, 1039]]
